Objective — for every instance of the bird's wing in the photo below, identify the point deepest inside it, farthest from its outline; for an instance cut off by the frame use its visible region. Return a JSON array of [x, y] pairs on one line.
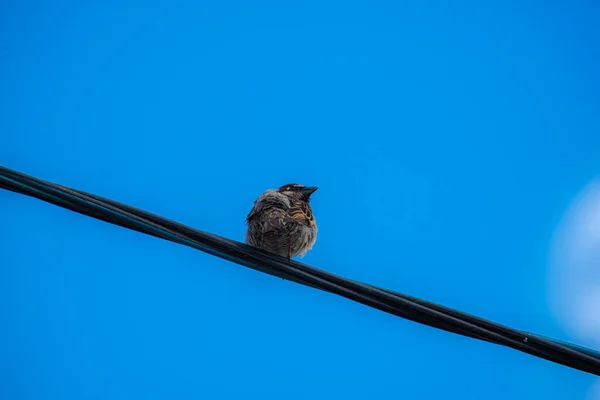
[[252, 214], [301, 213], [270, 219], [274, 214], [263, 205]]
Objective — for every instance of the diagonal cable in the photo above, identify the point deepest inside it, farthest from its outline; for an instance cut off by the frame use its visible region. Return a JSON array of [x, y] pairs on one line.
[[385, 300]]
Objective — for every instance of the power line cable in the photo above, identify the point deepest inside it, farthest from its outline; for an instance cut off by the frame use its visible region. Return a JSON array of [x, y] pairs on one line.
[[389, 301]]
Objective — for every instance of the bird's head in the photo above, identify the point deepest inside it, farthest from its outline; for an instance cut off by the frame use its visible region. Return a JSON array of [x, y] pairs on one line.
[[296, 191]]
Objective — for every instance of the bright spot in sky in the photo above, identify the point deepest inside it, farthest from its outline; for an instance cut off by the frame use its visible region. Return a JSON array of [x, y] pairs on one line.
[[575, 272], [594, 393]]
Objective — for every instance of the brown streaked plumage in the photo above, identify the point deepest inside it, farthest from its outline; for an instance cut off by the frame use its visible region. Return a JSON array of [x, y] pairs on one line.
[[282, 221]]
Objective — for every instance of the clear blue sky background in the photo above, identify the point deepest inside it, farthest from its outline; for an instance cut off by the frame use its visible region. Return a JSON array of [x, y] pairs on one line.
[[447, 141]]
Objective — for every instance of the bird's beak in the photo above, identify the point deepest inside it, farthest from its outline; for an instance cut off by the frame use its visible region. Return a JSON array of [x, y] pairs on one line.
[[307, 191]]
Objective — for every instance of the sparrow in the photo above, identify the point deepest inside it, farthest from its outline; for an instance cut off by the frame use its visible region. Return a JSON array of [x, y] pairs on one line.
[[282, 222]]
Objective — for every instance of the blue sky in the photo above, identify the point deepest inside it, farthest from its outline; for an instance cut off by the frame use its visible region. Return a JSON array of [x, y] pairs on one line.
[[448, 141]]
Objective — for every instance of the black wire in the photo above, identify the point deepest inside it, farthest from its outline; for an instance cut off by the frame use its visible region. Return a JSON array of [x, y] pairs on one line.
[[385, 300]]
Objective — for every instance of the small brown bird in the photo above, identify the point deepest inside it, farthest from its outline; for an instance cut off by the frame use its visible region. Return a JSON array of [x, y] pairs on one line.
[[282, 221]]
